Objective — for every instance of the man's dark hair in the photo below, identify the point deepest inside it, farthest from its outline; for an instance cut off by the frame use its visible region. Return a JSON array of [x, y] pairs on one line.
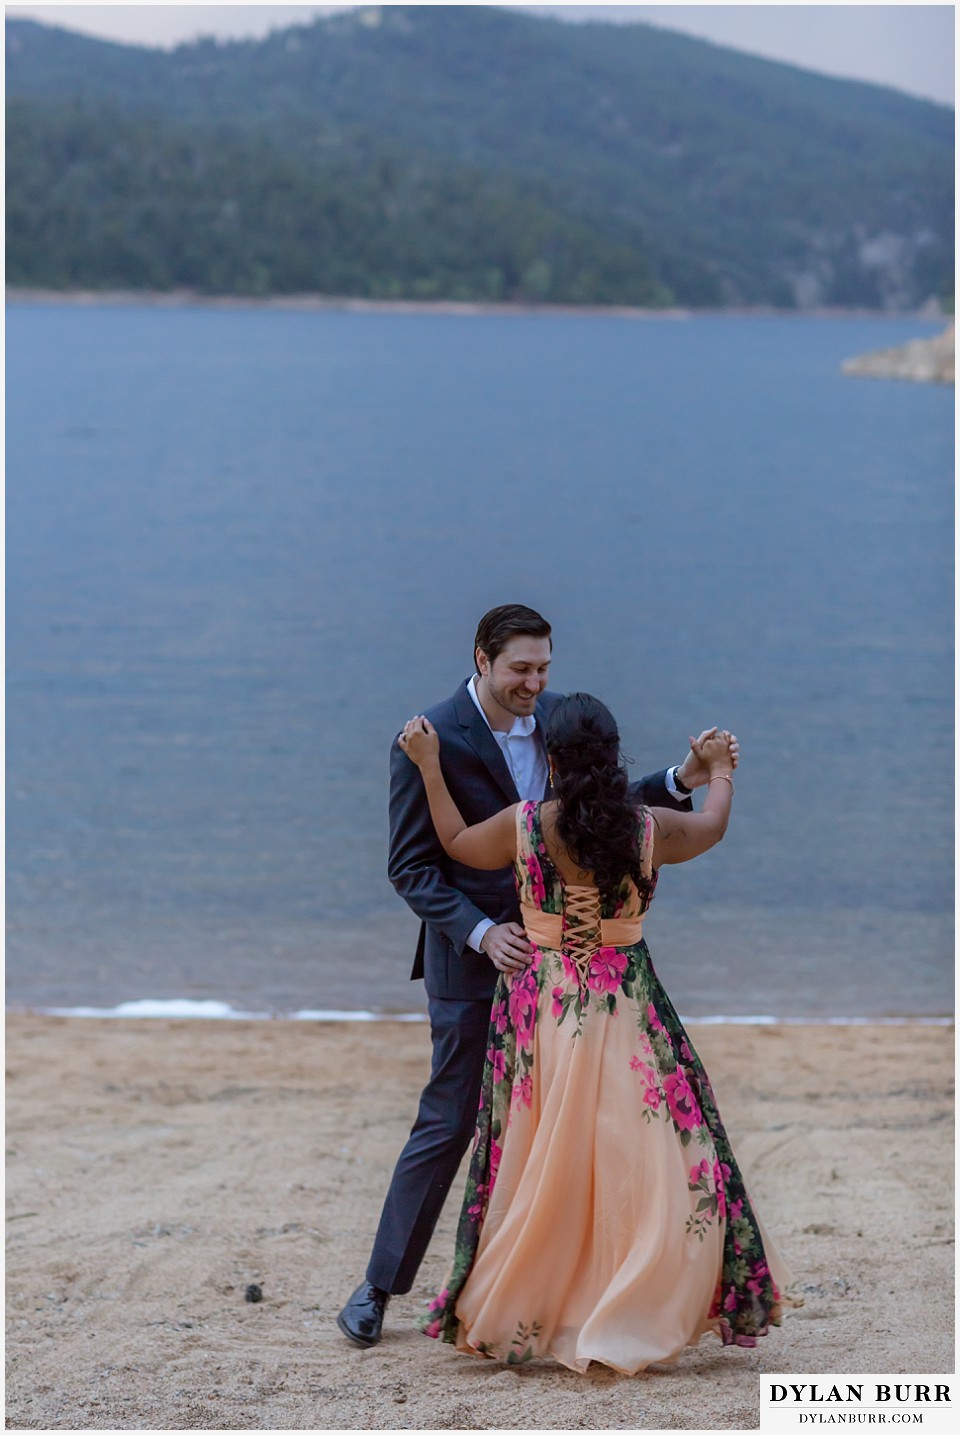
[[497, 627]]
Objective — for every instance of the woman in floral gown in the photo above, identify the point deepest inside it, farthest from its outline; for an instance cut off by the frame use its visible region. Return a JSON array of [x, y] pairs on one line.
[[605, 1217]]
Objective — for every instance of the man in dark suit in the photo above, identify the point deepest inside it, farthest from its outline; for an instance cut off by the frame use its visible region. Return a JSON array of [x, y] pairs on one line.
[[492, 753]]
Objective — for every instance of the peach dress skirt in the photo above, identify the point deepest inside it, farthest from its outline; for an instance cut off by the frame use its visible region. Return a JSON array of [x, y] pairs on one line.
[[605, 1217]]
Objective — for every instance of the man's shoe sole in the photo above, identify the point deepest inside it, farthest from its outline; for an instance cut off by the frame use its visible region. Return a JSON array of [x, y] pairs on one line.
[[357, 1339]]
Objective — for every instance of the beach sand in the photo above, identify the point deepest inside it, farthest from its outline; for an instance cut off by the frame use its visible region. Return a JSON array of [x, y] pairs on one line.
[[156, 1168]]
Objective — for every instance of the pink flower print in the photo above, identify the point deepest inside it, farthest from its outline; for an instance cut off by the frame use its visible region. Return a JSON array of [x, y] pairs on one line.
[[498, 1062], [499, 1017], [537, 889], [433, 1329], [685, 1051], [681, 1101], [523, 1007], [721, 1174], [651, 1092], [736, 1210], [556, 1008], [653, 1019], [523, 1091], [529, 816], [440, 1299], [476, 1210], [731, 1301], [496, 1151], [606, 970], [760, 1268], [697, 1171], [570, 969]]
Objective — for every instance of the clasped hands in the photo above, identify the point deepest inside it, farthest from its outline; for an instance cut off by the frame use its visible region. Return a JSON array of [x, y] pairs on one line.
[[715, 751]]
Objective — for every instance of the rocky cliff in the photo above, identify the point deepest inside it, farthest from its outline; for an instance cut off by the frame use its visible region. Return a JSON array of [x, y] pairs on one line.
[[923, 361]]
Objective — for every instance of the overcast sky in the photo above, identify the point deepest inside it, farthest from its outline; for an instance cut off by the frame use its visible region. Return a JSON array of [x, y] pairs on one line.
[[908, 46]]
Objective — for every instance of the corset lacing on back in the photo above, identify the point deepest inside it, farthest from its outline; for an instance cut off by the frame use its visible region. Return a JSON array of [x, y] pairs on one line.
[[581, 929], [582, 925]]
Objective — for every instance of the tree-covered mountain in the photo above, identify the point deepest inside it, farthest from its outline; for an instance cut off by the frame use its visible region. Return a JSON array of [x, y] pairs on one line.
[[100, 198], [471, 152]]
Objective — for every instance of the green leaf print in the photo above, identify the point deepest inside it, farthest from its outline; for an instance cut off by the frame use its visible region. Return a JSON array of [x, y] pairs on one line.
[[522, 1344]]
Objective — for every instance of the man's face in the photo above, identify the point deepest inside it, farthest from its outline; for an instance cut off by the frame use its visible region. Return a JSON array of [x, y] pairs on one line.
[[518, 676]]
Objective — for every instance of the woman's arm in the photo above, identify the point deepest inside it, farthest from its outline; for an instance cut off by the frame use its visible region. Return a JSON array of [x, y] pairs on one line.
[[680, 836], [488, 845]]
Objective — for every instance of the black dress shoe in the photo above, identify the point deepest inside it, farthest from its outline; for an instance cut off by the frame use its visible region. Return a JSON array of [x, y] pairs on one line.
[[361, 1319]]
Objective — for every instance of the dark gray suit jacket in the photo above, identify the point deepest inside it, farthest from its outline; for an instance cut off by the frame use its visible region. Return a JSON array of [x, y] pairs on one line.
[[451, 899]]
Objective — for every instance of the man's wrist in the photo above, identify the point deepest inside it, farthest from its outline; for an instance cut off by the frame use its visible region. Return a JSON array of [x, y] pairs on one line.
[[684, 789], [475, 939]]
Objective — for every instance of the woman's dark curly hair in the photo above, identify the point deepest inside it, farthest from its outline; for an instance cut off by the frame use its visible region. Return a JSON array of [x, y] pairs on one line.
[[596, 818]]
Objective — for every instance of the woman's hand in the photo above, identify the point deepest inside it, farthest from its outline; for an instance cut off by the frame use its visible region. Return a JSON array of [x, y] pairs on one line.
[[693, 771], [682, 835], [419, 741], [716, 753]]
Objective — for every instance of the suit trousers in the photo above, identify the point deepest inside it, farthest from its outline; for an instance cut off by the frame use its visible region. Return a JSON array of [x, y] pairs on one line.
[[444, 1127]]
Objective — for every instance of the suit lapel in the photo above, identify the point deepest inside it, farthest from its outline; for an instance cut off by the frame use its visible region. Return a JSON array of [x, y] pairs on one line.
[[484, 744]]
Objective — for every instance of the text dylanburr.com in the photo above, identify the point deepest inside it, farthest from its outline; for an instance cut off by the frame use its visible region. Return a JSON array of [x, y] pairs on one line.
[[813, 1402]]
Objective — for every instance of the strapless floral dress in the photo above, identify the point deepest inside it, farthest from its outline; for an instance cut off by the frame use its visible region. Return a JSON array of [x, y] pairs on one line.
[[605, 1217]]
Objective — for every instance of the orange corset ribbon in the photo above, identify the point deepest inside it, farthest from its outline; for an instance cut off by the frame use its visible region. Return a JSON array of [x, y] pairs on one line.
[[545, 929]]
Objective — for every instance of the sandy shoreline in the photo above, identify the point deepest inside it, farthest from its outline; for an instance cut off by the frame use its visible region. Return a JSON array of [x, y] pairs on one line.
[[309, 303], [155, 1168]]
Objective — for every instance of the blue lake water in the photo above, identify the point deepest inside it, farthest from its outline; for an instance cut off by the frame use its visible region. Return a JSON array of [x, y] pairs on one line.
[[244, 545]]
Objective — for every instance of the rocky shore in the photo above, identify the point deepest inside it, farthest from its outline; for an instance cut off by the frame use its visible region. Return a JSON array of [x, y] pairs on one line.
[[922, 361]]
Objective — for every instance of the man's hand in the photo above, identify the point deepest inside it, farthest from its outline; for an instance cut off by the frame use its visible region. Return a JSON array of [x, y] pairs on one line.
[[694, 771], [507, 947]]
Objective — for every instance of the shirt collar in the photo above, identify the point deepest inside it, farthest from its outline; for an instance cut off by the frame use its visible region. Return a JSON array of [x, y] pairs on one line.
[[522, 726]]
